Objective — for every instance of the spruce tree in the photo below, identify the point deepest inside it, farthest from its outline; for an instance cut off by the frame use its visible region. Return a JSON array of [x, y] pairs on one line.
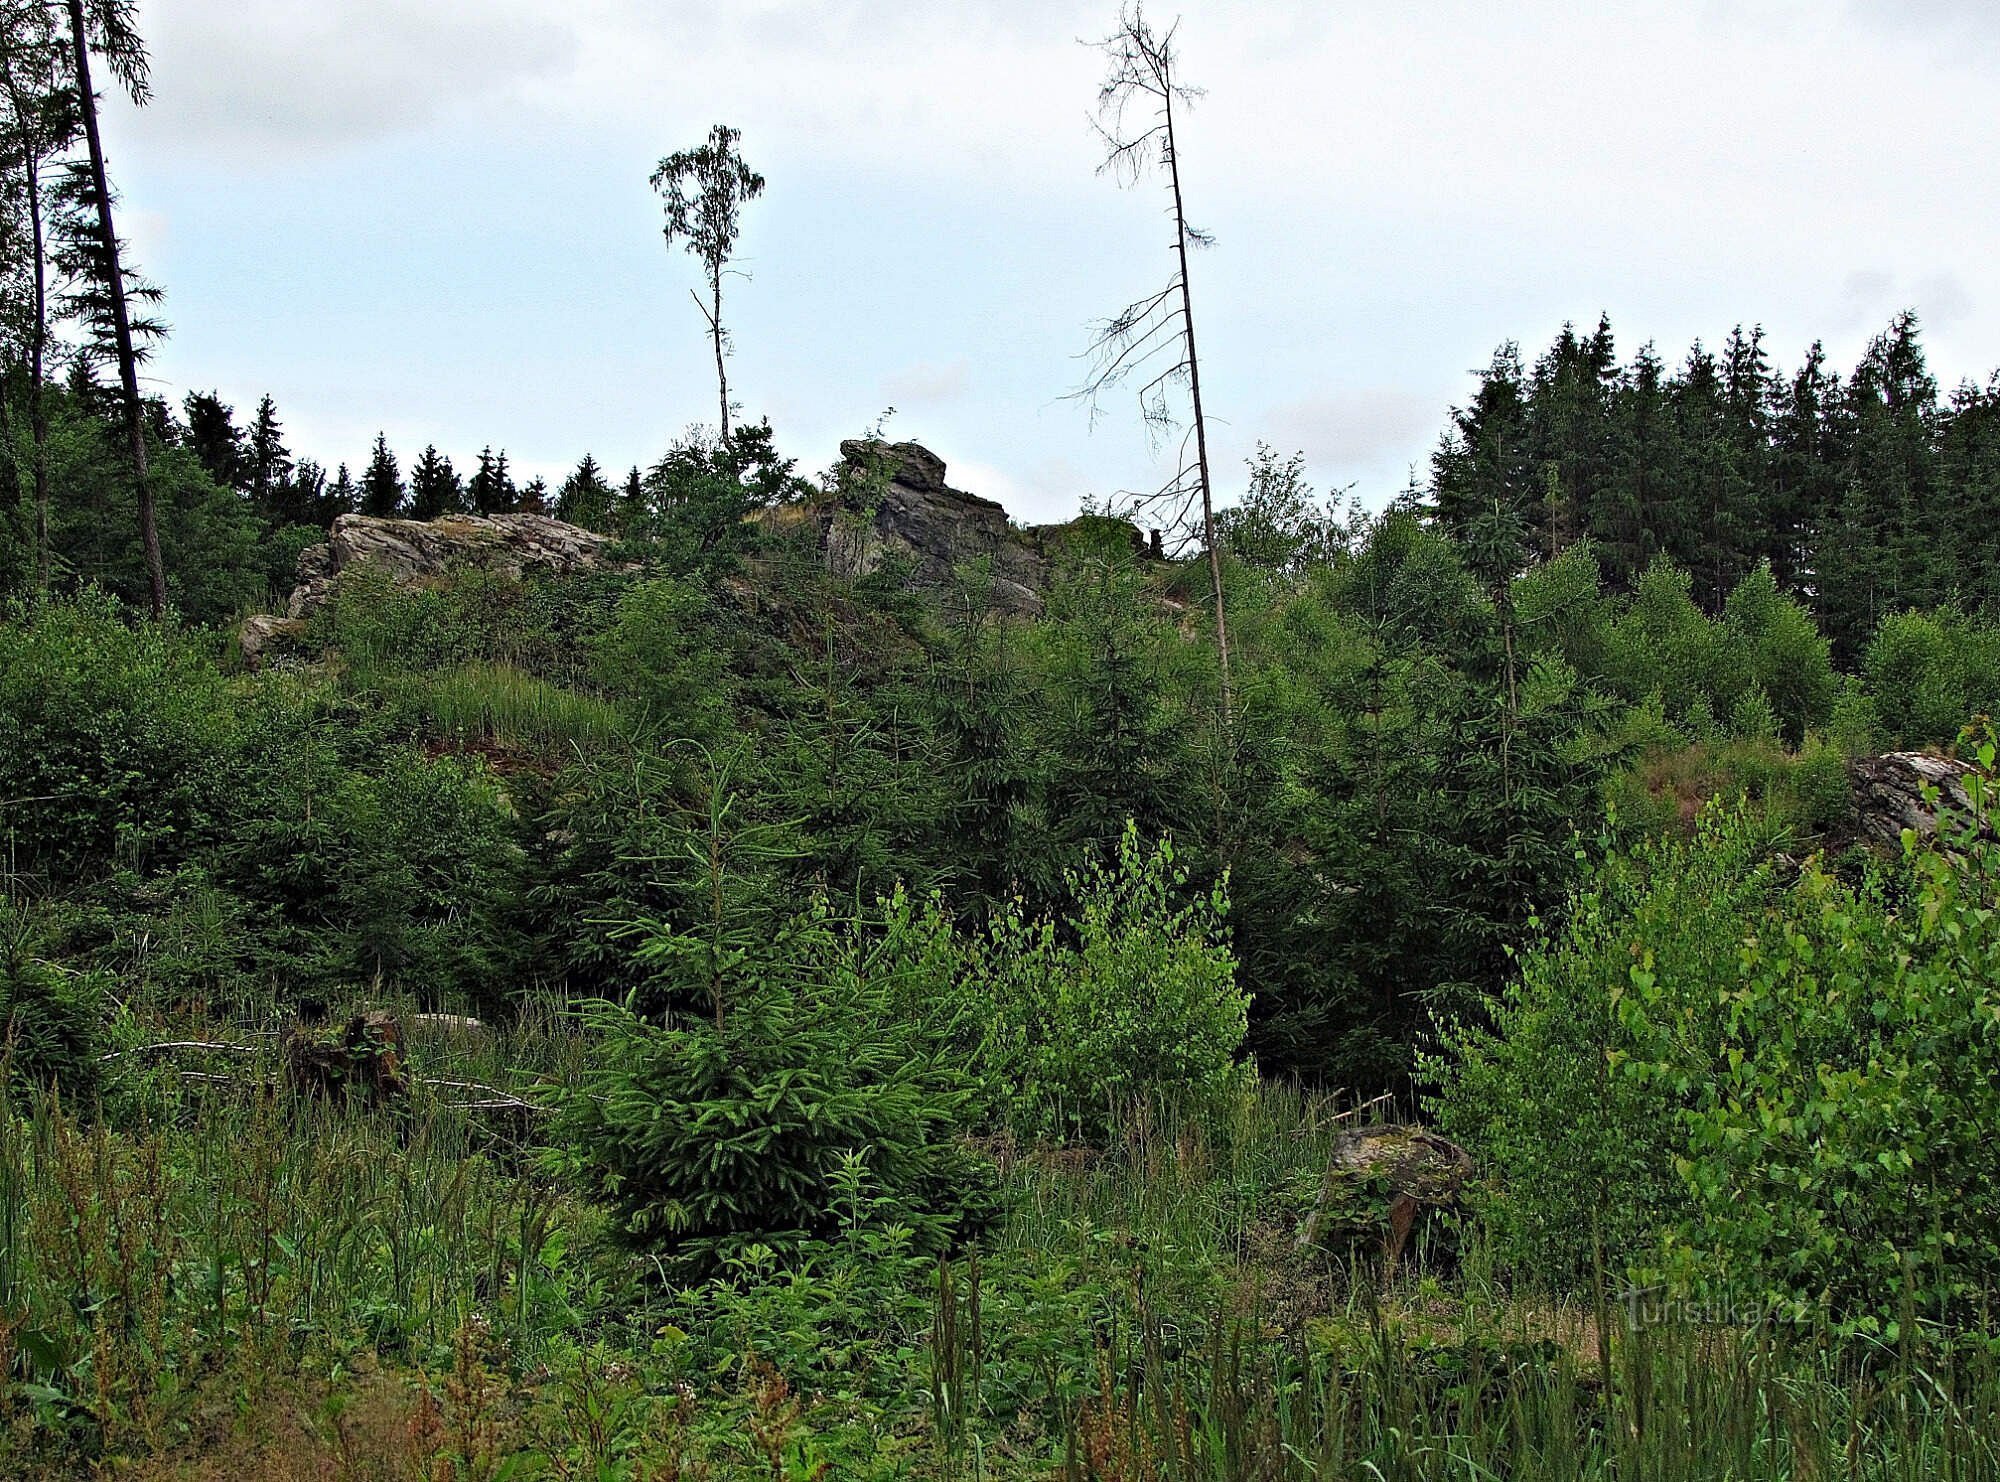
[[107, 287], [1487, 457], [214, 438], [38, 121], [434, 486], [342, 497], [491, 488], [585, 499], [630, 517], [382, 483], [268, 463]]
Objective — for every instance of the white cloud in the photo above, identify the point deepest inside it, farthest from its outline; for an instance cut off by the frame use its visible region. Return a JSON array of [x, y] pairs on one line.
[[436, 210], [927, 385], [1943, 302], [1340, 429], [278, 77]]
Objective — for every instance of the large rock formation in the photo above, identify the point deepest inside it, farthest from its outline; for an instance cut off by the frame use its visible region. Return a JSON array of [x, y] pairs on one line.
[[898, 504], [1889, 796], [411, 551], [894, 505]]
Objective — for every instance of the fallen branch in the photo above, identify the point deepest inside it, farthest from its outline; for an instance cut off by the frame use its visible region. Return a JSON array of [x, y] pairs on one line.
[[211, 1047]]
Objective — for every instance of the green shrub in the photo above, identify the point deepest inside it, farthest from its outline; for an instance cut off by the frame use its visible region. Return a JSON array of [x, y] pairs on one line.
[[1578, 1147], [1929, 673], [1132, 998], [1772, 1097], [1820, 788], [1791, 665], [49, 1015], [108, 740], [660, 656]]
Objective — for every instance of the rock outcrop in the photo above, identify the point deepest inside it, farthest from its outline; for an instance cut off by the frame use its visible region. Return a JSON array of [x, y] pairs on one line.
[[894, 505], [1889, 797], [410, 551], [898, 504]]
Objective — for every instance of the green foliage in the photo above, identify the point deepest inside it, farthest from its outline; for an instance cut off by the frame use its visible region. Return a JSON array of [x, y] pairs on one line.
[[1790, 664], [480, 704], [1131, 999], [1582, 1146], [1930, 673], [1279, 526], [106, 736], [709, 1135], [1758, 1094], [50, 1016]]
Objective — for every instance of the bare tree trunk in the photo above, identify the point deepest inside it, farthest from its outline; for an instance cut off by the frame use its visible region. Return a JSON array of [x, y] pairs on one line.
[[715, 333], [1194, 389], [38, 413], [128, 364]]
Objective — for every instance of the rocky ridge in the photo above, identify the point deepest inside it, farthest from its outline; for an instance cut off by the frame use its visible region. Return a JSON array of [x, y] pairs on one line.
[[894, 505]]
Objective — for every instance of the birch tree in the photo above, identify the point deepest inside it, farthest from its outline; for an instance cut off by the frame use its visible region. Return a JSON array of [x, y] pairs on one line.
[[705, 190]]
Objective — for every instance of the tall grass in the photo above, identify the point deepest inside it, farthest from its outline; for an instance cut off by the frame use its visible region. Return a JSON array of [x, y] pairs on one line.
[[485, 703], [1140, 1313], [248, 1236]]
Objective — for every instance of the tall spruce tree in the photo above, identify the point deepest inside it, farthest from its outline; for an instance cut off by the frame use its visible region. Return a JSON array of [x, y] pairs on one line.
[[268, 465], [342, 497], [584, 498], [382, 483], [491, 488], [38, 121], [112, 30], [214, 438], [434, 486]]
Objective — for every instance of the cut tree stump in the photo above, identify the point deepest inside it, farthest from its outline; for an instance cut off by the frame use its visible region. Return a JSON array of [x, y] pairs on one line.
[[1378, 1180], [360, 1060]]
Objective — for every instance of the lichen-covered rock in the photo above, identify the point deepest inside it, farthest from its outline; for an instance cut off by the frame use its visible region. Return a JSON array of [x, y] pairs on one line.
[[410, 551], [899, 504], [1889, 795], [265, 636]]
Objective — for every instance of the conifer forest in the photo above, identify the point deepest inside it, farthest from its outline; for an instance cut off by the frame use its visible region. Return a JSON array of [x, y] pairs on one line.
[[767, 964]]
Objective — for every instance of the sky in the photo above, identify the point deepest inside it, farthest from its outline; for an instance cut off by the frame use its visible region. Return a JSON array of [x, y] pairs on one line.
[[434, 220]]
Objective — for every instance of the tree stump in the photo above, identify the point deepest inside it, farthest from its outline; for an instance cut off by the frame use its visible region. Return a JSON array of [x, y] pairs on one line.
[[1378, 1180], [361, 1060]]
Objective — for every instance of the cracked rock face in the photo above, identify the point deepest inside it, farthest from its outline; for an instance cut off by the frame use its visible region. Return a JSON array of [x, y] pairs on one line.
[[410, 551], [904, 507], [1889, 794]]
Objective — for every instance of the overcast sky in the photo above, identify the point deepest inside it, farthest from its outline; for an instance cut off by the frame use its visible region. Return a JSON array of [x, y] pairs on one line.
[[433, 218]]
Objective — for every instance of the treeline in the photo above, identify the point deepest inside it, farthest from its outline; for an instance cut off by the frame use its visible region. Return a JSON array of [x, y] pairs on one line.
[[1866, 493], [235, 503], [490, 778]]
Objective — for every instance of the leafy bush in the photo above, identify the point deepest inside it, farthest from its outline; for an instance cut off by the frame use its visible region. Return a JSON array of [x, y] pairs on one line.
[[1133, 998], [660, 656], [1778, 1098], [1579, 1145], [108, 734], [1791, 665], [1929, 673]]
